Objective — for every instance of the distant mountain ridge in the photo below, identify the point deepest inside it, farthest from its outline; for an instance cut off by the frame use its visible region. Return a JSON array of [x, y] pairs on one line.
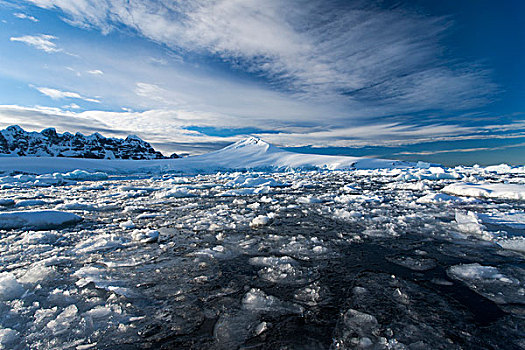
[[16, 142], [249, 153]]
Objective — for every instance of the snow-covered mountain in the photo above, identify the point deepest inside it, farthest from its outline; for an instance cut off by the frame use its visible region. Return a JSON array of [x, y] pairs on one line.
[[15, 142], [247, 154], [254, 153]]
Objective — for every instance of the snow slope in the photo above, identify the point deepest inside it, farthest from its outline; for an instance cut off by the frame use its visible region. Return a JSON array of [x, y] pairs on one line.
[[250, 153]]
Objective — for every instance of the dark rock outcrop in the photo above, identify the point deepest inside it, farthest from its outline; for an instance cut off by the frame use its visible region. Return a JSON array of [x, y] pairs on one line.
[[14, 141]]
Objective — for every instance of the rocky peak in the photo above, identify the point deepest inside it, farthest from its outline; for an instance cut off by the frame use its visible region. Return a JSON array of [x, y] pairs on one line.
[[15, 141]]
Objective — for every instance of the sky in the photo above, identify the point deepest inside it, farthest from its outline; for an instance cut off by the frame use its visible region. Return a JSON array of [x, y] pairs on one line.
[[438, 81]]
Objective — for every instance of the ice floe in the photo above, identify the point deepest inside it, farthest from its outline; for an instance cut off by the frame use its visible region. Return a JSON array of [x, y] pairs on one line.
[[37, 219], [487, 190]]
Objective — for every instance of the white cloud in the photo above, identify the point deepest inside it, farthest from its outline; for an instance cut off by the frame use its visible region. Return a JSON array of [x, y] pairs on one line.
[[71, 106], [58, 94], [96, 72], [42, 42], [317, 50], [24, 16], [151, 91]]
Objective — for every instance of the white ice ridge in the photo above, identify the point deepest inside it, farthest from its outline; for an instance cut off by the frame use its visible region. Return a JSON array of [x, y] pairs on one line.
[[250, 153]]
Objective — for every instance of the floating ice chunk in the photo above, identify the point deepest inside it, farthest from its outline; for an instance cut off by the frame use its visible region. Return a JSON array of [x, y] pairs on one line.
[[90, 188], [344, 214], [309, 200], [137, 188], [257, 301], [361, 323], [443, 198], [99, 312], [476, 272], [44, 315], [82, 175], [245, 181], [411, 186], [127, 225], [90, 274], [67, 318], [470, 223], [491, 282], [177, 192], [10, 288], [487, 190], [260, 220], [37, 220], [504, 169], [8, 338], [45, 180], [432, 173], [260, 328], [145, 236], [271, 260], [416, 264], [287, 273], [39, 237], [37, 274], [245, 191], [254, 206], [350, 198], [147, 216], [514, 219], [98, 243], [516, 244], [232, 329], [30, 203], [303, 184], [76, 206], [309, 295]]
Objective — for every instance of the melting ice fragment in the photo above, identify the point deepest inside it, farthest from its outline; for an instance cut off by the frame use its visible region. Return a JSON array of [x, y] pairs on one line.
[[257, 301], [491, 282], [10, 288]]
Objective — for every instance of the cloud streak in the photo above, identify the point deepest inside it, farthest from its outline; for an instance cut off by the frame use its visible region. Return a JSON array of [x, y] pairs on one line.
[[355, 54], [24, 16], [42, 42], [58, 94]]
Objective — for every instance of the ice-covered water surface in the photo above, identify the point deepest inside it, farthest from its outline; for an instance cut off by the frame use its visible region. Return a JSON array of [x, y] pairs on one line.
[[402, 258]]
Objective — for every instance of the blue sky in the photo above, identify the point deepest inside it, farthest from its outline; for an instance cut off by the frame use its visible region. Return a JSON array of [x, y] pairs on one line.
[[441, 81]]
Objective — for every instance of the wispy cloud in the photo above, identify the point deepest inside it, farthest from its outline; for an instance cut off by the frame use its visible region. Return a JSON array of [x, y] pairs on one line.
[[96, 72], [24, 16], [58, 94], [42, 42], [319, 50]]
